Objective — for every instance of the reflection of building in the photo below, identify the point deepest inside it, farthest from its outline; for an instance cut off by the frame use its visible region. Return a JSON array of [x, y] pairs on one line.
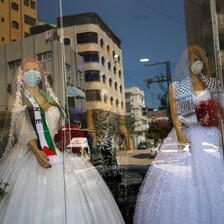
[[101, 51], [16, 19], [200, 31], [47, 49], [135, 102]]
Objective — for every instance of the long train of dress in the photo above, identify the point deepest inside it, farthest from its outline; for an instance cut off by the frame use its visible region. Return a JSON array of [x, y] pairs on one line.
[[185, 187], [71, 191]]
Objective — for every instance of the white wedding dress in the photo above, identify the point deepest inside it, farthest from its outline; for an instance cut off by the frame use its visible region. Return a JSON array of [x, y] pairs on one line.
[[71, 191], [185, 187]]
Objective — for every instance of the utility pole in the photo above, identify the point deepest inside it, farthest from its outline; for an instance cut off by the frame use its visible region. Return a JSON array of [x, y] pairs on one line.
[[161, 79]]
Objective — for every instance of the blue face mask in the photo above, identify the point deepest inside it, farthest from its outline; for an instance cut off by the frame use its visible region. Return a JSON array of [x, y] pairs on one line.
[[32, 78]]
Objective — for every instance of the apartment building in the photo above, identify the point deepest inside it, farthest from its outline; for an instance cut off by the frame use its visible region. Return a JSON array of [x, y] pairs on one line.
[[135, 103], [88, 35], [16, 18]]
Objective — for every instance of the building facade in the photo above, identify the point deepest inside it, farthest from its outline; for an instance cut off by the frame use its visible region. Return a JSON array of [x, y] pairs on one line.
[[48, 50], [135, 103], [100, 47], [16, 18]]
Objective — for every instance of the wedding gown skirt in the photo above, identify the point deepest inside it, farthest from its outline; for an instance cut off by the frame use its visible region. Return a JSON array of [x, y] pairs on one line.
[[184, 187], [71, 191]]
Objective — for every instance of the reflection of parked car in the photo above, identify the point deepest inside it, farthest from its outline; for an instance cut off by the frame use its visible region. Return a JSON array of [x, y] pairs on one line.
[[155, 150], [144, 145]]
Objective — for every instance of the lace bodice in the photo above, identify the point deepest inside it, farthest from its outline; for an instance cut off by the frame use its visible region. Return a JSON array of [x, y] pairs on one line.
[[203, 95], [52, 116]]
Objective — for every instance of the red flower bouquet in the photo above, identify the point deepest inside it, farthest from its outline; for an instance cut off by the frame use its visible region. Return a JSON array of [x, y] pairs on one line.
[[64, 136], [207, 112]]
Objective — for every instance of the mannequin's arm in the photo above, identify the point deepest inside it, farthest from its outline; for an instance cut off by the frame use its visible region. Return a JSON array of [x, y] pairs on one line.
[[40, 155], [182, 139]]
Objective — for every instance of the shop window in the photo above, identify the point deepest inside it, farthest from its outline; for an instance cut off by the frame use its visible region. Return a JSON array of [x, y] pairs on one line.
[[109, 65], [15, 25], [115, 70], [101, 43], [108, 49], [29, 20], [88, 37], [67, 41], [119, 73], [110, 82], [26, 2], [104, 78], [14, 64], [44, 56], [14, 6], [90, 56], [33, 5], [93, 95], [102, 60], [92, 75]]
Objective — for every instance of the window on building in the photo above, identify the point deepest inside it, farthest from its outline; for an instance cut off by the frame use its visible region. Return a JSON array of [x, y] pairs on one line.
[[115, 85], [26, 2], [104, 78], [108, 49], [110, 82], [88, 37], [122, 104], [15, 6], [118, 59], [121, 89], [33, 5], [117, 102], [113, 54], [2, 19], [102, 60], [101, 43], [71, 101], [109, 65], [3, 39], [67, 41], [105, 97], [14, 64], [29, 20], [111, 101], [90, 56], [119, 73], [15, 25], [93, 95], [44, 56], [206, 10], [67, 67], [115, 69], [92, 75], [26, 34]]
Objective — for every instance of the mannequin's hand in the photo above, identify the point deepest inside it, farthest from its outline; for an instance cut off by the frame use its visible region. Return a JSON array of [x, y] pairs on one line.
[[42, 159], [182, 139]]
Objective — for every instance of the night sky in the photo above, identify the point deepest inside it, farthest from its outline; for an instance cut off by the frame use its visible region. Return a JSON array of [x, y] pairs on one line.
[[151, 29]]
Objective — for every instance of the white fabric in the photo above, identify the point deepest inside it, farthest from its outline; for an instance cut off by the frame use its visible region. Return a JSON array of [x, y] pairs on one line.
[[185, 187], [71, 191]]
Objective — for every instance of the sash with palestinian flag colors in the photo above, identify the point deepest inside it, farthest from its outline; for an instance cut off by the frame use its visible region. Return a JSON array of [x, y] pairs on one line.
[[45, 139]]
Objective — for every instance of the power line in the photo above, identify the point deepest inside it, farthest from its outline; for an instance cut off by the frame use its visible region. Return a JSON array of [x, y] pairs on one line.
[[160, 13]]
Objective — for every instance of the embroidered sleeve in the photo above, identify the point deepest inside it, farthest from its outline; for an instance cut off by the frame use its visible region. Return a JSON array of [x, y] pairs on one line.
[[24, 129]]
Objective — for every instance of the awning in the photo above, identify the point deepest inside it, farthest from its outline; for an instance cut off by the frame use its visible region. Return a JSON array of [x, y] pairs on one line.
[[78, 93]]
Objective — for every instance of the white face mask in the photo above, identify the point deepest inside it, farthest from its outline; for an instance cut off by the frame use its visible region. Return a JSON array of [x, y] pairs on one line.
[[197, 67]]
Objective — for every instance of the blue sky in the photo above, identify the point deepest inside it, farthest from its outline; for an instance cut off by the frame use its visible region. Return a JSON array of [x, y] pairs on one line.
[[144, 28]]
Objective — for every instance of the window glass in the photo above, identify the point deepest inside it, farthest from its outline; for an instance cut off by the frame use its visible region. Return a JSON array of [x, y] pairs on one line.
[[87, 37], [90, 56], [15, 25], [26, 2], [29, 20], [15, 6], [33, 4], [92, 75]]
